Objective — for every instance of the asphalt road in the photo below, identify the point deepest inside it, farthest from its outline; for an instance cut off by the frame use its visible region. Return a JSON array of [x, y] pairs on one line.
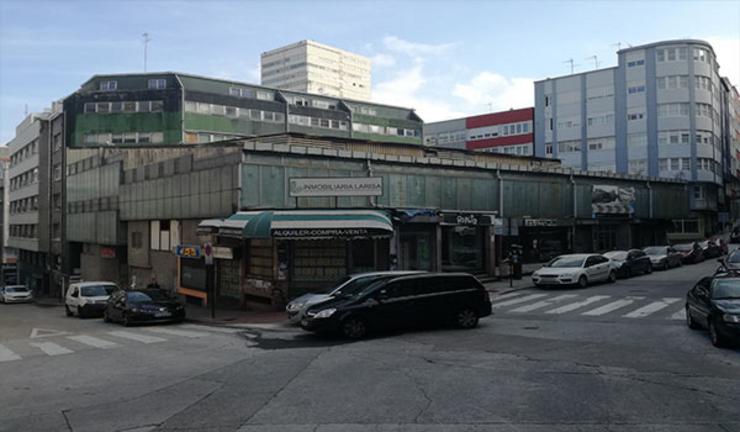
[[612, 357]]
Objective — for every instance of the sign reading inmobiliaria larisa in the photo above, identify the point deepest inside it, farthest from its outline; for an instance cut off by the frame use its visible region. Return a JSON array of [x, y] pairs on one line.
[[606, 199], [336, 186]]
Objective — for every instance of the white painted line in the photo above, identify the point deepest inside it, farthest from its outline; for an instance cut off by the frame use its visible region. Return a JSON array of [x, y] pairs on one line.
[[138, 337], [41, 333], [610, 307], [507, 295], [50, 348], [7, 355], [543, 303], [211, 328], [573, 306], [92, 341], [518, 300], [651, 308], [680, 315], [183, 333]]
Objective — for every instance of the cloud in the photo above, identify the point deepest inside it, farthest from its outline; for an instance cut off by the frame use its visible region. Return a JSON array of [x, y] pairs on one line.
[[728, 57], [492, 88], [415, 49], [383, 60]]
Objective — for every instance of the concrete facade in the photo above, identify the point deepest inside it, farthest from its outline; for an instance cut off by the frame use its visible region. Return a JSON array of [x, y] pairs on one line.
[[311, 67]]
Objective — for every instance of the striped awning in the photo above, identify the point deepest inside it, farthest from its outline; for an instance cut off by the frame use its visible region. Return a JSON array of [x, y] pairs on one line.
[[308, 224]]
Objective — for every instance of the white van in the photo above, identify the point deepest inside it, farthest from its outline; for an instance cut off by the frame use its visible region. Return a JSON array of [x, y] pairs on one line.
[[88, 298]]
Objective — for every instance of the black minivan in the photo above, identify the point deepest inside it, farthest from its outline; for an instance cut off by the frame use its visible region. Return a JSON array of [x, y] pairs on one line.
[[428, 298]]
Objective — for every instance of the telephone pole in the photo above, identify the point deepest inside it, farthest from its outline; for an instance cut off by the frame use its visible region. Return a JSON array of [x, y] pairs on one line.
[[146, 40]]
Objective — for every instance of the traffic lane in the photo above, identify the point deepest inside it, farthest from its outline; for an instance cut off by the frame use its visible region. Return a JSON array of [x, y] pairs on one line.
[[17, 321]]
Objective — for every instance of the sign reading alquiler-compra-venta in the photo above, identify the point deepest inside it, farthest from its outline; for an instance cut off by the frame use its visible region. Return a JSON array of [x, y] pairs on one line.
[[336, 186]]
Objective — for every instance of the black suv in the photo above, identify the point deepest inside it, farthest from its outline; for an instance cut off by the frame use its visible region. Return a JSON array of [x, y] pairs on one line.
[[714, 303], [456, 298]]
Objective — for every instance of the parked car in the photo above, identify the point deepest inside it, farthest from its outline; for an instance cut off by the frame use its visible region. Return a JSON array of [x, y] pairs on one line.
[[691, 253], [630, 263], [87, 298], [402, 301], [714, 303], [145, 306], [15, 294], [663, 257], [710, 249], [296, 308], [735, 235], [730, 263], [576, 269]]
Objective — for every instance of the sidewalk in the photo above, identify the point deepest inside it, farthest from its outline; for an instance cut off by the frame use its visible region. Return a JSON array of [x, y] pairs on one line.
[[502, 286], [202, 315]]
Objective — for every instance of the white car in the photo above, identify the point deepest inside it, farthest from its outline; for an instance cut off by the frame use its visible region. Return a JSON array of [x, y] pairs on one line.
[[88, 298], [15, 294], [576, 269], [298, 306]]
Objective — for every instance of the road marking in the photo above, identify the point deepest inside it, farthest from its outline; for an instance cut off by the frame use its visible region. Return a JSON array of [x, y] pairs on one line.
[[7, 355], [651, 308], [543, 303], [137, 337], [611, 307], [40, 333], [680, 315], [517, 300], [50, 348], [573, 306], [211, 328], [92, 341], [184, 333], [495, 297]]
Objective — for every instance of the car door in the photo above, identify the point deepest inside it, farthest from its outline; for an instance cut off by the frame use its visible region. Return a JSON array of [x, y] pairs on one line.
[[673, 257], [589, 267], [699, 301], [395, 308], [640, 261], [73, 298], [602, 267]]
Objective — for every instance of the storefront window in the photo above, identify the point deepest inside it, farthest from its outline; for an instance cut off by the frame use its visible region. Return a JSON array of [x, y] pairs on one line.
[[416, 251], [462, 248], [363, 256]]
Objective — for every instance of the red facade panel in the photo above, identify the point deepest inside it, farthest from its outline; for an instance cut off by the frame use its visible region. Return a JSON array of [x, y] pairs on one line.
[[512, 116], [500, 141]]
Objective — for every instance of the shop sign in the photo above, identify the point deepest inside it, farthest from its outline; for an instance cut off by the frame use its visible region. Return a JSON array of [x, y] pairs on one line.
[[540, 222], [327, 233], [470, 219], [336, 186], [107, 252], [224, 253], [188, 251]]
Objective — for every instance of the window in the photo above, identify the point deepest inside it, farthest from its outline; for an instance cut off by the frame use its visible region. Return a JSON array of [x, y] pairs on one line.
[[108, 85], [547, 101], [103, 107], [129, 106], [90, 107], [157, 84], [636, 89], [663, 164], [156, 106], [569, 146], [550, 124], [698, 192], [660, 55], [635, 116], [640, 62], [637, 166]]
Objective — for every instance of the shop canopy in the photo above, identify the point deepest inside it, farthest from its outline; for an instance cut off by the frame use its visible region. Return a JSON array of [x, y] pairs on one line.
[[306, 224]]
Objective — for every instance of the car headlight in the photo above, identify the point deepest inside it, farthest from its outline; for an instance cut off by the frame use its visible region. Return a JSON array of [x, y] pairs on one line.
[[326, 313], [731, 318], [292, 307]]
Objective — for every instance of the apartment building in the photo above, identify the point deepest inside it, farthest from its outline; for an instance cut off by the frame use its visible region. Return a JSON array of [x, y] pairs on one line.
[[657, 113], [311, 67], [508, 132], [4, 203]]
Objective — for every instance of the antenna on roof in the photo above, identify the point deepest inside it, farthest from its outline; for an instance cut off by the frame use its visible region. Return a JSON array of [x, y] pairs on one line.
[[618, 45], [572, 65], [490, 106], [25, 110], [595, 59], [146, 40]]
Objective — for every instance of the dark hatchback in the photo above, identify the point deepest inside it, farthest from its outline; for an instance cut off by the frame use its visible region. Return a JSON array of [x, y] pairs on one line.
[[145, 306], [630, 263], [714, 303], [400, 302]]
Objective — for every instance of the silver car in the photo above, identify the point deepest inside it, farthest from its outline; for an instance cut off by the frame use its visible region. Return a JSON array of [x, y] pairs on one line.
[[15, 294], [575, 269], [297, 307]]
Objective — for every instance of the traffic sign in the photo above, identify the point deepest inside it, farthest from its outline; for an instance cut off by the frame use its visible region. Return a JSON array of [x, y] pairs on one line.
[[208, 253], [188, 251]]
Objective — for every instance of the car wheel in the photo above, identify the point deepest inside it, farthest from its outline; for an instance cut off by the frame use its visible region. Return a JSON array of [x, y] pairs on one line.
[[628, 273], [612, 277], [353, 328], [106, 318], [466, 318], [649, 268], [582, 282], [717, 339], [690, 320], [125, 321], [79, 312], [67, 311]]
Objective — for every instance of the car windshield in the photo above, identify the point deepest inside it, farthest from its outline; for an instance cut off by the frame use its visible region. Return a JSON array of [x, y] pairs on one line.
[[567, 262], [358, 286], [16, 289], [655, 250], [726, 289], [684, 247], [98, 290], [146, 296], [616, 255], [339, 282], [734, 257]]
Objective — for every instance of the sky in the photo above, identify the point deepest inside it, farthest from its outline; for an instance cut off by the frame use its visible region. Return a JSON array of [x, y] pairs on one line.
[[446, 59]]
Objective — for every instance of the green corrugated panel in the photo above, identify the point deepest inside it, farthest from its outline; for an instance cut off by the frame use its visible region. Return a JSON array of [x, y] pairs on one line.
[[433, 192], [226, 125], [386, 138], [167, 122], [449, 193], [464, 193], [416, 191]]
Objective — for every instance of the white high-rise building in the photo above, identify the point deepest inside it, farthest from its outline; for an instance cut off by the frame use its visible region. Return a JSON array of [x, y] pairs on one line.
[[312, 67]]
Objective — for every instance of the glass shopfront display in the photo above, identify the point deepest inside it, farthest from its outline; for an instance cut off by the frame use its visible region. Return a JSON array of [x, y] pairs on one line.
[[462, 248]]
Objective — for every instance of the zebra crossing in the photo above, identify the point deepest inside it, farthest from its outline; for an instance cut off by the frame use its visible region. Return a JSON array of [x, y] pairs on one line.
[[17, 350], [594, 306]]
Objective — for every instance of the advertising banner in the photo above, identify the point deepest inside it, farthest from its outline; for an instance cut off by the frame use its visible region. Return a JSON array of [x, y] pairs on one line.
[[612, 200]]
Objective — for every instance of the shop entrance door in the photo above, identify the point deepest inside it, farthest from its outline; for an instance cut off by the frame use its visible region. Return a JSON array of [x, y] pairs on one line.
[[416, 251], [605, 238]]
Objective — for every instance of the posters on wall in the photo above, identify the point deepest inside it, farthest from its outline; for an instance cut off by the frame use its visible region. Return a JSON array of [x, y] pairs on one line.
[[616, 200]]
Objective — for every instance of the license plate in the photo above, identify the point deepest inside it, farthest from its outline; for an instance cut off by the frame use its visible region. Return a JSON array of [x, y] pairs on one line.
[[162, 314]]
